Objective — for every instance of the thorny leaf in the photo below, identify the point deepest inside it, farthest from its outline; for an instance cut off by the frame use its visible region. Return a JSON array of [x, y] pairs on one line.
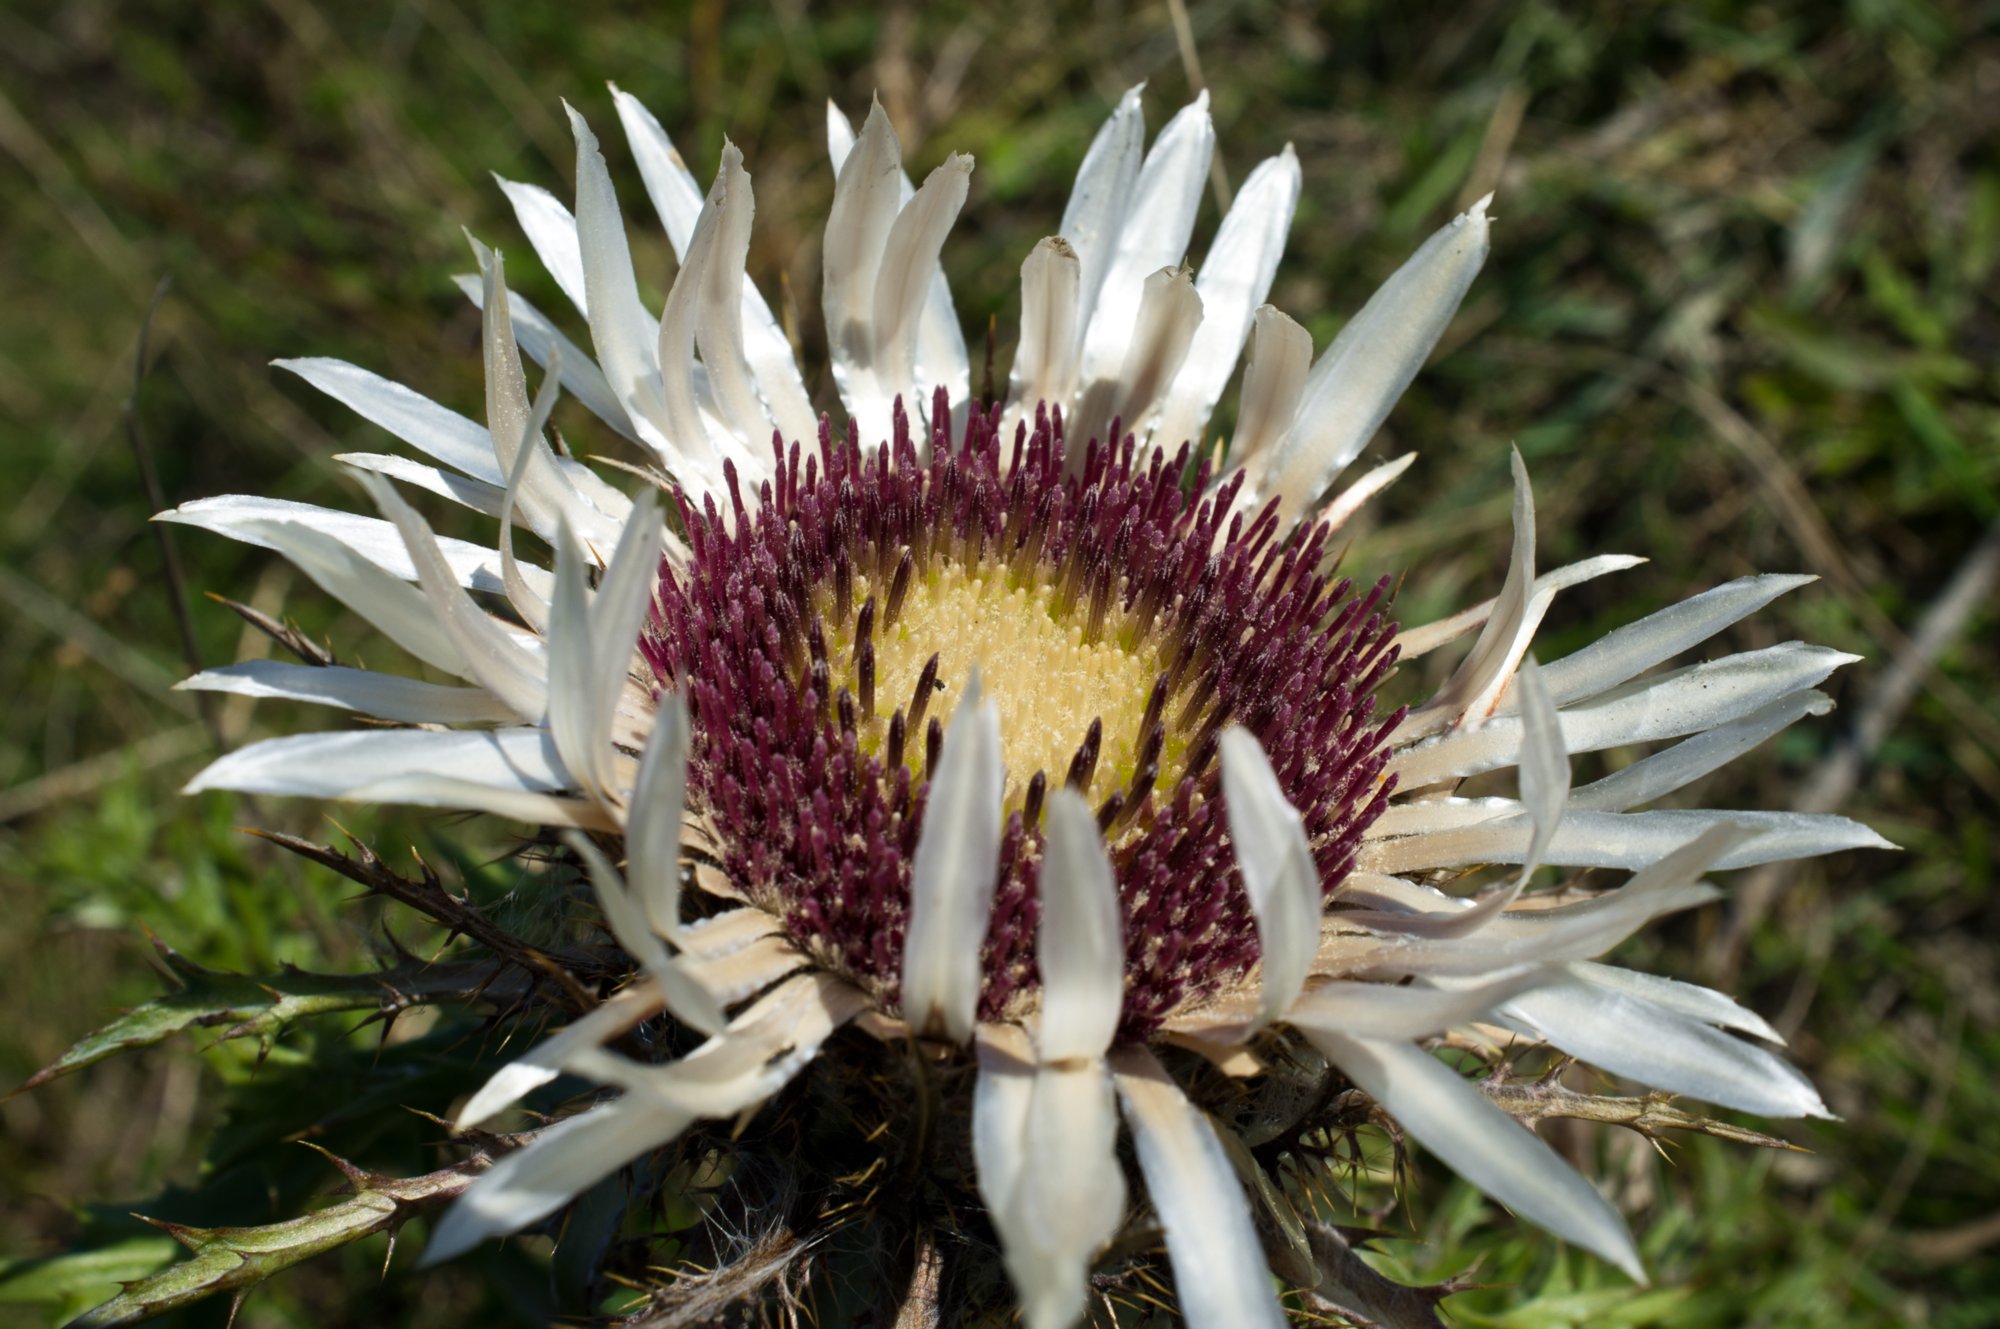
[[1650, 1115], [285, 634], [243, 1006], [235, 1259], [1348, 1284], [428, 896], [1320, 1260]]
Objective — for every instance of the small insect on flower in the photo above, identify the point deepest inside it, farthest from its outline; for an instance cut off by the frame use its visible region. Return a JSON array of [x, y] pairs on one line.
[[1024, 888]]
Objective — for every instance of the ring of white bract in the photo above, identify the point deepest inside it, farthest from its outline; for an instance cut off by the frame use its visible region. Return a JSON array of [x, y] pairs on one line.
[[552, 712]]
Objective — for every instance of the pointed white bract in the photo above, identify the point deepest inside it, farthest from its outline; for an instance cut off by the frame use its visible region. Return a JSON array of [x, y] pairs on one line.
[[410, 416], [1152, 234], [1045, 1126], [384, 696], [1232, 285], [1544, 765], [880, 268], [620, 328], [669, 183], [542, 495], [678, 200], [495, 657], [1579, 931], [1686, 701], [1045, 1143], [1629, 651], [1356, 496], [1664, 772], [530, 1184], [1359, 378], [753, 1058], [1082, 954], [952, 879], [653, 820], [866, 199], [1625, 1034], [1101, 198], [358, 581], [474, 494], [910, 262], [552, 231], [745, 1064], [1544, 796], [1044, 361], [681, 991], [941, 360], [719, 320], [1417, 641], [1277, 866], [1274, 379], [697, 450], [545, 343], [573, 701], [1628, 840], [1070, 1199], [1452, 1119], [544, 1062], [1218, 1266], [1169, 314], [533, 607], [1703, 1004], [1469, 695], [1000, 1097], [1378, 1010], [510, 772]]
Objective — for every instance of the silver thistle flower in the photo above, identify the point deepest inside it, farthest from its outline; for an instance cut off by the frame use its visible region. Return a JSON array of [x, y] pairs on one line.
[[1024, 738]]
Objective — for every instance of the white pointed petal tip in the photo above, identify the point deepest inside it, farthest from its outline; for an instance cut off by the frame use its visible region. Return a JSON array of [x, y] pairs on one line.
[[1279, 873], [1081, 952], [953, 877], [1211, 1238], [532, 1183], [1454, 1120]]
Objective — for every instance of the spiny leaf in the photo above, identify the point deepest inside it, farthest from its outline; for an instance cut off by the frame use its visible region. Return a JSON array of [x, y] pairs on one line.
[[1650, 1115], [233, 1259], [428, 896], [285, 634], [242, 1006], [1349, 1285]]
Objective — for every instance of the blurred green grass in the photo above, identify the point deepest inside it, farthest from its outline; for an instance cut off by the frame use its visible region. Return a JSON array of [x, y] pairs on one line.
[[1741, 314]]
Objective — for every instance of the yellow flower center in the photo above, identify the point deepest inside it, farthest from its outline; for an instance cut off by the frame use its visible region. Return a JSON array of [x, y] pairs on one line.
[[1049, 676]]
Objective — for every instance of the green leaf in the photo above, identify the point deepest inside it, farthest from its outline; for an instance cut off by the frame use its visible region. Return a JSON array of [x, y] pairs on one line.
[[233, 1259], [241, 1006], [75, 1280]]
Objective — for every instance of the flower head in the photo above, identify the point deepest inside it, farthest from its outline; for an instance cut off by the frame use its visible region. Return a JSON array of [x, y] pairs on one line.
[[997, 781]]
